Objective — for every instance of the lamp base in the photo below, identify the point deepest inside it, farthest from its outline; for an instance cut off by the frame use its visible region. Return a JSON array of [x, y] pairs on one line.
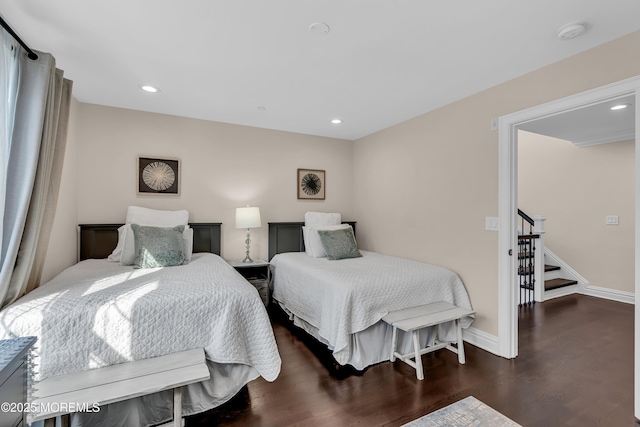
[[247, 258]]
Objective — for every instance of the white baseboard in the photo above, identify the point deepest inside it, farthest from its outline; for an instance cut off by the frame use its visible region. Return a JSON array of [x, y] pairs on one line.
[[610, 294], [584, 287], [482, 340], [593, 291], [561, 292]]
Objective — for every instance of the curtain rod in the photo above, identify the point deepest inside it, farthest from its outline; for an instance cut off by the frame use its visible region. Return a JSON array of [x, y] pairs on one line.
[[30, 54]]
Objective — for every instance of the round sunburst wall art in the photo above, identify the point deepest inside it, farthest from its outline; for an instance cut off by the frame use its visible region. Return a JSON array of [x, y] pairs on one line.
[[311, 184], [158, 176]]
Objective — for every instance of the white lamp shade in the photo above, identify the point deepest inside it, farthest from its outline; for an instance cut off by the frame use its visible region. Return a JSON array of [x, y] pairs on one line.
[[248, 217]]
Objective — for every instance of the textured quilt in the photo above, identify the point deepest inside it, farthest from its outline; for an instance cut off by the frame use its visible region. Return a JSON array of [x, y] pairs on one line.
[[99, 313], [347, 296]]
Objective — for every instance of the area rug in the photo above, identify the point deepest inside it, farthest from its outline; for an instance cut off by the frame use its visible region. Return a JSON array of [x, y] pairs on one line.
[[466, 412]]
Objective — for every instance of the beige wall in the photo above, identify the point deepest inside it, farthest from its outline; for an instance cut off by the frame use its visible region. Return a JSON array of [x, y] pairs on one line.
[[423, 188], [62, 250], [575, 189], [420, 189], [224, 166]]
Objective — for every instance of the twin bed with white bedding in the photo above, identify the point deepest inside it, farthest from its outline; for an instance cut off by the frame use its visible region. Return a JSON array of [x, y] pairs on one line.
[[341, 302], [99, 313]]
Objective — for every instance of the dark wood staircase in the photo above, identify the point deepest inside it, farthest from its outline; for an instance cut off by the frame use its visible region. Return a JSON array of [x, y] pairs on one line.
[[548, 267], [526, 264], [550, 283], [558, 282]]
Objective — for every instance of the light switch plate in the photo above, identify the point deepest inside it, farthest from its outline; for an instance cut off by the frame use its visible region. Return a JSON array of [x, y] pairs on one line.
[[612, 220], [491, 223]]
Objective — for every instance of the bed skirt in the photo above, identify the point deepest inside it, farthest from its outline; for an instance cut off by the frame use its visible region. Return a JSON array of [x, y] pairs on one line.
[[368, 347]]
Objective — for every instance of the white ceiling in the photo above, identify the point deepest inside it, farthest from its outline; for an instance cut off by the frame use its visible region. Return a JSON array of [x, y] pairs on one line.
[[591, 125], [383, 62]]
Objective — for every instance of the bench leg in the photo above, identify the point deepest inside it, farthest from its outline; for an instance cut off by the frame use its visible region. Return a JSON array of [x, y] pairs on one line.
[[394, 340], [65, 421], [461, 358], [416, 345], [177, 407]]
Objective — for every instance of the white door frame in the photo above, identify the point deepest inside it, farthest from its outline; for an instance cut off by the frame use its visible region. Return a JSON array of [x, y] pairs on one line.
[[508, 208]]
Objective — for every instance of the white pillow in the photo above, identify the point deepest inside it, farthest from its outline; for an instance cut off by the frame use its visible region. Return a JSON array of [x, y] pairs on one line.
[[117, 252], [316, 219], [129, 247], [156, 218], [149, 217], [187, 235], [313, 245]]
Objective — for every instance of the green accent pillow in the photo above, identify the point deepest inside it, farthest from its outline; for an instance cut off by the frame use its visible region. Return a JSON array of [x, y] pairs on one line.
[[339, 244], [158, 246]]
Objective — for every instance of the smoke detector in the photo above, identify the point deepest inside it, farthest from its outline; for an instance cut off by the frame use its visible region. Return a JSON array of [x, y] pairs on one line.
[[570, 31], [319, 28]]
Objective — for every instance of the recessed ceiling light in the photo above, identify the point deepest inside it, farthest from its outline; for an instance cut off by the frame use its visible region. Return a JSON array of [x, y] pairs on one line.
[[570, 31], [336, 121], [619, 107], [149, 89]]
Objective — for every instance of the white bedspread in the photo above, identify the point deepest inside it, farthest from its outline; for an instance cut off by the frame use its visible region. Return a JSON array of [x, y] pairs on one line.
[[347, 296], [99, 313]]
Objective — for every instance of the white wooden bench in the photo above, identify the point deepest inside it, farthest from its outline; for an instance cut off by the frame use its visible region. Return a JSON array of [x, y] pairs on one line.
[[119, 382], [416, 318]]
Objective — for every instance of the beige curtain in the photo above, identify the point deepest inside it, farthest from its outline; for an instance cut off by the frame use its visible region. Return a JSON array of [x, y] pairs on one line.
[[23, 275], [44, 199]]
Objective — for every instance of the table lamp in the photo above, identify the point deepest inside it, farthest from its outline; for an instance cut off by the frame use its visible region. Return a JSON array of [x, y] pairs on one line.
[[248, 217]]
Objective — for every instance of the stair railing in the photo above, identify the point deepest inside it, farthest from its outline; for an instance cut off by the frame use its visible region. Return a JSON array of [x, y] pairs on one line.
[[530, 259], [526, 223], [526, 259]]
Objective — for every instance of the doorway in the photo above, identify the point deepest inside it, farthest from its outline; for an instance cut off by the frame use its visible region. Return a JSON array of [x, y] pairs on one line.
[[508, 137], [576, 169], [508, 204]]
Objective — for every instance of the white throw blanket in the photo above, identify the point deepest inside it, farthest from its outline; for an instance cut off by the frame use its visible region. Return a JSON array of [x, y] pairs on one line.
[[347, 296], [98, 313]]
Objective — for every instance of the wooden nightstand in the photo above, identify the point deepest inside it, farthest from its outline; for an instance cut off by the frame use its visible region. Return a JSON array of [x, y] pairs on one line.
[[257, 273]]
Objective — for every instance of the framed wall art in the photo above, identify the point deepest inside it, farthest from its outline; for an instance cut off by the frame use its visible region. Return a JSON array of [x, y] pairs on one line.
[[158, 176], [311, 184]]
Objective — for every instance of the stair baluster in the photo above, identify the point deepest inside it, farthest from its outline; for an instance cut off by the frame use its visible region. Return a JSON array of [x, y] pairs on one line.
[[526, 259], [531, 262]]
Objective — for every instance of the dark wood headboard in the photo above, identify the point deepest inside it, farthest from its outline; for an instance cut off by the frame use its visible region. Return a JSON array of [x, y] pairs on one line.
[[99, 240], [287, 237]]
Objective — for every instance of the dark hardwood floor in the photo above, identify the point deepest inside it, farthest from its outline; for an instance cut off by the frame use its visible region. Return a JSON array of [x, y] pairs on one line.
[[575, 368]]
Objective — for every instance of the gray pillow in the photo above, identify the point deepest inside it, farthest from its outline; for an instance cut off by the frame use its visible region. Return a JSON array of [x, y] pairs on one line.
[[339, 244], [158, 246]]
